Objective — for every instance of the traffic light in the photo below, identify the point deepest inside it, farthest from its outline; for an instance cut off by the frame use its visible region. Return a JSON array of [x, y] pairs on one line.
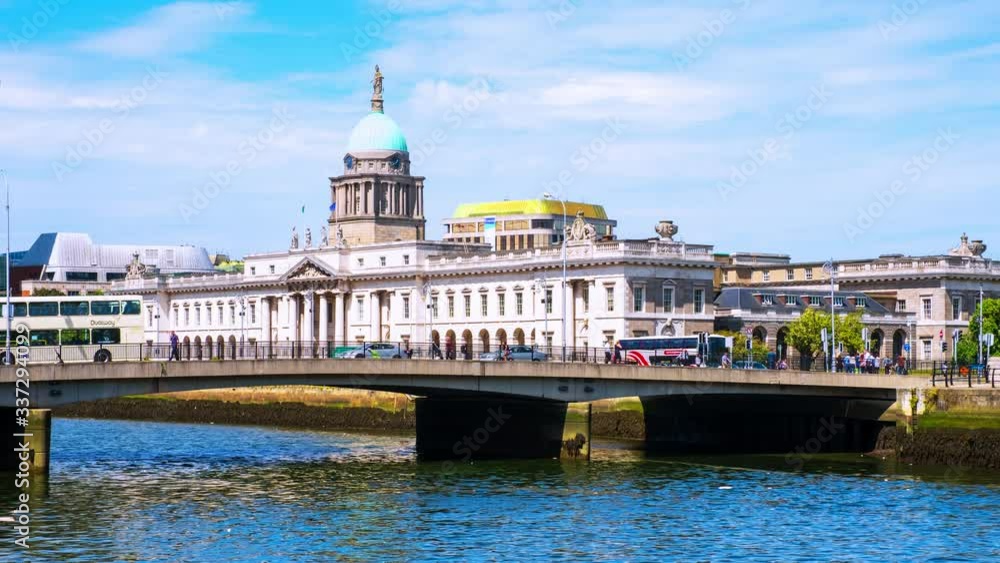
[[944, 345]]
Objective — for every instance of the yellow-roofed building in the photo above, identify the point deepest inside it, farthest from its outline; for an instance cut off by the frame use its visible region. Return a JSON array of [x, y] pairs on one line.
[[524, 223]]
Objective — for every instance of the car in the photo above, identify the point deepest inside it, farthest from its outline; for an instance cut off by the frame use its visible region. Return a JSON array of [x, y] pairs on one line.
[[743, 364], [375, 350], [518, 353]]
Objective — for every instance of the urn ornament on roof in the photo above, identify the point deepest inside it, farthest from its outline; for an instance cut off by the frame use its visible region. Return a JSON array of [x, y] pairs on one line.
[[666, 230]]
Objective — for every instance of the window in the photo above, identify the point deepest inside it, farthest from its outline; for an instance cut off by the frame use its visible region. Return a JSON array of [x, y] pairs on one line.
[[253, 270], [926, 345], [44, 338], [131, 308], [174, 322], [926, 309], [502, 304], [232, 315], [361, 262], [699, 301], [638, 299], [271, 268], [609, 296], [197, 316], [406, 306], [901, 305], [451, 306], [838, 301], [107, 336], [519, 303], [790, 274], [862, 302], [220, 314], [114, 276], [767, 275], [668, 300], [406, 259], [49, 309], [809, 273], [105, 308], [187, 316], [81, 276], [468, 306], [767, 299], [548, 301], [359, 305], [208, 315], [586, 298], [791, 300], [381, 261], [253, 313], [956, 308], [74, 337], [484, 305], [434, 306]]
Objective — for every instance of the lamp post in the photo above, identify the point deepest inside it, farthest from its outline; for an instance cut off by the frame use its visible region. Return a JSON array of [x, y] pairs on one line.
[[8, 313], [243, 326], [540, 287], [430, 317], [831, 269], [549, 196], [981, 320]]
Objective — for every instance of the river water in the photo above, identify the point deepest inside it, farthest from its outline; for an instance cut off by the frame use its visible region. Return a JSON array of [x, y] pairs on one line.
[[143, 491]]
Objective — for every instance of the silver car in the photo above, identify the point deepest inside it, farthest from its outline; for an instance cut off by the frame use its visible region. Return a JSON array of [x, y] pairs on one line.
[[377, 351], [518, 353]]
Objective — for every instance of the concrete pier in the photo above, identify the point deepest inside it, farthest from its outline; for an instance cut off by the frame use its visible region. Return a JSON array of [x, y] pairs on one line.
[[467, 428], [36, 457]]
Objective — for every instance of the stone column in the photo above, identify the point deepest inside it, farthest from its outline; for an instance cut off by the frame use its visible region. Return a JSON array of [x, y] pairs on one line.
[[324, 321], [339, 326], [293, 318], [308, 304], [265, 325], [375, 334]]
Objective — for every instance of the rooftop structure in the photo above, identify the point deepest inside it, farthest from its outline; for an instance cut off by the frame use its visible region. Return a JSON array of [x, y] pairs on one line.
[[523, 224]]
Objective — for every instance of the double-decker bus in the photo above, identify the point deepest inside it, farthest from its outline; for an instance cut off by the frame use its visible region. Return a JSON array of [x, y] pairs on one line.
[[675, 350], [76, 328]]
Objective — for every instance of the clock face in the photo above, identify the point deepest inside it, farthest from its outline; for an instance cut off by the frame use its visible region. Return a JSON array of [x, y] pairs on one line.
[[349, 161], [395, 161]]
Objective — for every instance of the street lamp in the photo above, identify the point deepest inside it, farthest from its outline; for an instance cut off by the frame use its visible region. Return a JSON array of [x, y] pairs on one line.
[[243, 327], [981, 326], [549, 196], [831, 269], [540, 288], [430, 316]]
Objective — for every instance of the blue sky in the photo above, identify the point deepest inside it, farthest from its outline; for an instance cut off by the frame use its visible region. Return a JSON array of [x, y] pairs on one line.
[[845, 129]]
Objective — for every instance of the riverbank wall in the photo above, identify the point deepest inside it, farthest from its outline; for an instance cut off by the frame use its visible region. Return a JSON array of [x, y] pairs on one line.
[[956, 428]]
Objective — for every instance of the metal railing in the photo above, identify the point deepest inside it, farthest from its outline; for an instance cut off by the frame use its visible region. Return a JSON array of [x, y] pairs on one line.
[[948, 373]]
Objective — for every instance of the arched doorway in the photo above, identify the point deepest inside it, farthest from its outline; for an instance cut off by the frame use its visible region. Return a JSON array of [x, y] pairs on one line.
[[519, 336], [898, 340], [208, 347], [467, 344], [760, 334], [450, 348], [501, 337], [232, 348], [484, 340], [221, 343], [875, 342], [197, 347], [187, 348], [782, 343]]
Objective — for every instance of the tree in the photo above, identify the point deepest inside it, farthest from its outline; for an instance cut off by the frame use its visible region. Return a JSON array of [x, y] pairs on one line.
[[758, 349], [968, 346], [849, 332], [47, 292], [805, 333]]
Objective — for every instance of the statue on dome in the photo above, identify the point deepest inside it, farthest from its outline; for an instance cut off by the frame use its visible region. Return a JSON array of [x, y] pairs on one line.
[[295, 239], [377, 81], [324, 237], [309, 237]]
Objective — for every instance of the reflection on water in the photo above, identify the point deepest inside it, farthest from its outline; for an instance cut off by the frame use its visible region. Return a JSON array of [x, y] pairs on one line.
[[135, 491]]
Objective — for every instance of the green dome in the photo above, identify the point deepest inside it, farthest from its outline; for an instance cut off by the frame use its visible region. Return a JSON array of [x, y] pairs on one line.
[[377, 131]]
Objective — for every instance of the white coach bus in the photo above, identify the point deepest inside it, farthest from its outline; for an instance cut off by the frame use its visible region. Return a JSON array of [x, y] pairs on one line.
[[75, 329]]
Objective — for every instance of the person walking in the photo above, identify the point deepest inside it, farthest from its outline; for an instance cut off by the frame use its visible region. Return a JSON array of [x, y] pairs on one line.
[[175, 347], [607, 351], [726, 362], [618, 352]]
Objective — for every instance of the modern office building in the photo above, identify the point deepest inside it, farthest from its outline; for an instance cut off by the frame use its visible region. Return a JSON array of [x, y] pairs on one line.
[[523, 224]]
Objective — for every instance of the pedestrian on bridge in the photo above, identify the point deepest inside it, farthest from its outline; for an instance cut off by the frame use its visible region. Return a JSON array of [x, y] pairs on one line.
[[607, 351], [175, 344]]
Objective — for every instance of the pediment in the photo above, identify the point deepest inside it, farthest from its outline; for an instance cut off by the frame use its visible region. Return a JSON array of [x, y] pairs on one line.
[[308, 269]]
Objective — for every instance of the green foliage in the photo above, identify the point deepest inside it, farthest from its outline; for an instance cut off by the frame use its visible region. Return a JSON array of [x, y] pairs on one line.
[[47, 292], [96, 292], [968, 346], [805, 333], [758, 350]]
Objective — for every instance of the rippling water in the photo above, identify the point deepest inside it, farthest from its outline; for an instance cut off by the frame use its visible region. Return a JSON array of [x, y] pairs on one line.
[[135, 491]]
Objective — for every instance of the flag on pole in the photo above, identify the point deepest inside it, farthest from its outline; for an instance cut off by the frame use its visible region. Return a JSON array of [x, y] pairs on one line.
[[303, 209], [333, 207]]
